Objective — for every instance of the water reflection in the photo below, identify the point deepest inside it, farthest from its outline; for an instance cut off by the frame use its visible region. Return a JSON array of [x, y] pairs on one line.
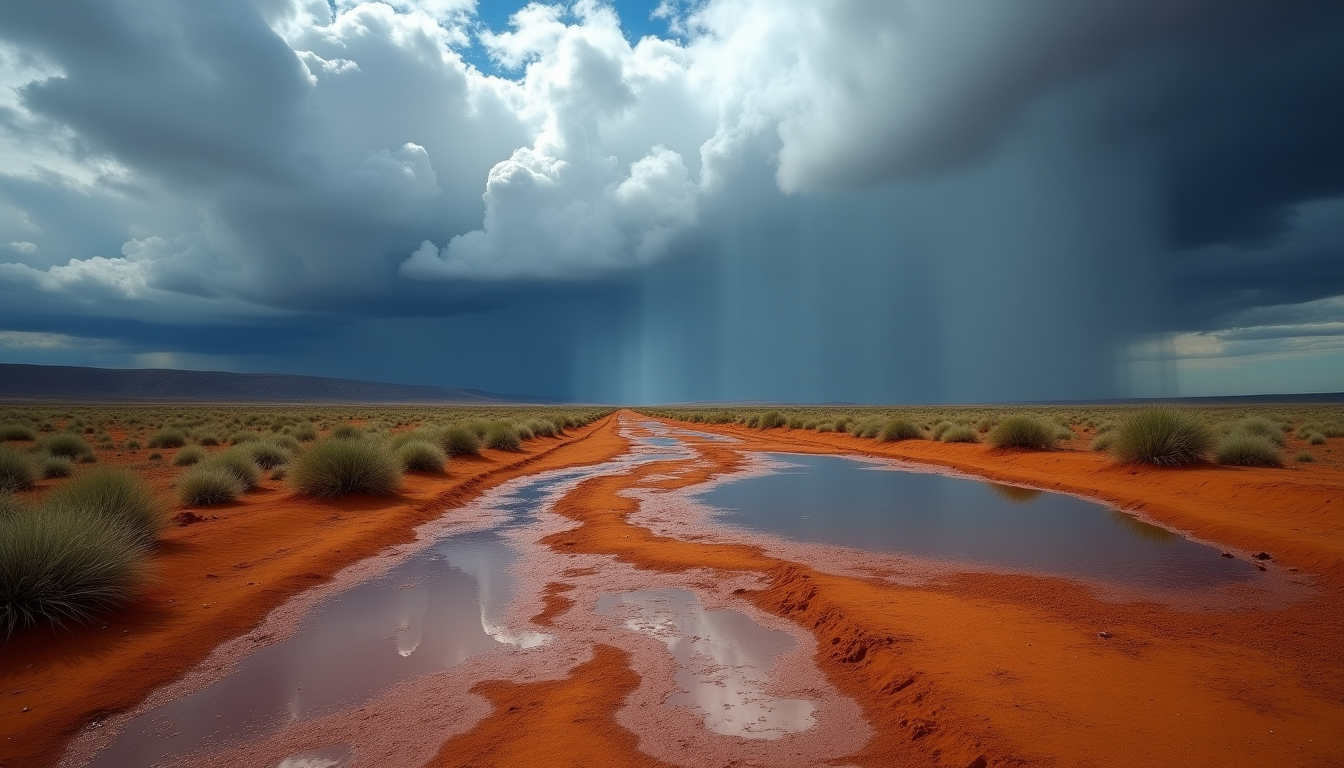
[[436, 609], [335, 756], [877, 506], [723, 658], [1015, 493]]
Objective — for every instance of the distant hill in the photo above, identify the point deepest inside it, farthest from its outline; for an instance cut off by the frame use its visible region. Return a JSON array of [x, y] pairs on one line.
[[58, 382]]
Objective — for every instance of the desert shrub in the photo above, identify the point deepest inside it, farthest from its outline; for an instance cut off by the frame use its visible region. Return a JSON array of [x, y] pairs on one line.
[[347, 432], [16, 432], [338, 466], [460, 441], [305, 433], [1103, 441], [1258, 425], [57, 466], [1063, 433], [541, 428], [1316, 438], [238, 438], [116, 495], [238, 461], [60, 563], [421, 456], [208, 438], [938, 429], [1162, 436], [265, 454], [772, 419], [899, 429], [168, 438], [960, 433], [1332, 430], [1023, 432], [502, 437], [189, 455], [1247, 449], [826, 426], [18, 471], [478, 427], [1305, 457], [206, 484], [279, 473], [66, 444], [524, 433], [795, 423], [156, 456]]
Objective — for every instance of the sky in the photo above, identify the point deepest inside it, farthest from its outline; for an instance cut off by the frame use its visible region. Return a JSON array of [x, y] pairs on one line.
[[872, 201]]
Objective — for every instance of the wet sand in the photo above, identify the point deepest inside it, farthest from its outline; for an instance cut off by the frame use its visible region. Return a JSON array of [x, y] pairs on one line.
[[928, 666]]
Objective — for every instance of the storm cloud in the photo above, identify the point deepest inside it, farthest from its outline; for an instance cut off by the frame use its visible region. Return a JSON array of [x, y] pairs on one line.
[[862, 200]]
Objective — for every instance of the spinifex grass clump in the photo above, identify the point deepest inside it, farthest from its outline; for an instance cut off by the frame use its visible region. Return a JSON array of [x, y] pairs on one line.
[[960, 433], [168, 438], [502, 437], [16, 432], [265, 454], [335, 467], [899, 429], [238, 461], [18, 471], [206, 484], [1162, 436], [1247, 449], [115, 495], [62, 563], [772, 419], [1023, 432], [66, 444], [57, 466], [421, 456], [347, 432], [192, 454], [460, 441], [1262, 427]]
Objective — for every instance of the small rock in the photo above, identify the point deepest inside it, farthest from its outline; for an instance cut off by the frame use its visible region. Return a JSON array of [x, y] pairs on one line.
[[26, 709], [187, 518], [1104, 635], [1261, 567], [1225, 554], [1263, 556]]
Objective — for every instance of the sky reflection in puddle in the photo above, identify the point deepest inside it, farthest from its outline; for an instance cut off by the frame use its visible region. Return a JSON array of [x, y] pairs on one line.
[[723, 659]]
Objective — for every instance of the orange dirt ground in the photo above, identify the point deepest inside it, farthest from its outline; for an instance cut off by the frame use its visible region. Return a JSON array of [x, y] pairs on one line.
[[966, 670]]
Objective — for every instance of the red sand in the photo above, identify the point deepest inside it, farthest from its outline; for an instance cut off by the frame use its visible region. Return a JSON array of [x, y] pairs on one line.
[[969, 669]]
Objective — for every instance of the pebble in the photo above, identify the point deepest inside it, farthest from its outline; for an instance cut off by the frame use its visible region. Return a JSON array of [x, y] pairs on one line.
[[1104, 635]]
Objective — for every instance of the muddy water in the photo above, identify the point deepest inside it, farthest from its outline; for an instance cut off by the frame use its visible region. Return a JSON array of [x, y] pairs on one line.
[[878, 506], [723, 662]]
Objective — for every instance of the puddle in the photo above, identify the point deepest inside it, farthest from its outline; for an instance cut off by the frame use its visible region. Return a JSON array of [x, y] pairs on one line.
[[723, 659], [877, 507], [336, 756], [430, 612]]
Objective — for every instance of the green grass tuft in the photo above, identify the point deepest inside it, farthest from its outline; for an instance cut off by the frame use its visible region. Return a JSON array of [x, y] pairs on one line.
[[960, 433], [116, 495], [899, 429], [66, 444], [60, 563], [192, 454], [1248, 449], [503, 437], [1161, 436], [347, 432], [10, 432], [1305, 457], [1259, 425], [239, 462], [335, 467], [460, 441], [421, 456], [18, 472], [772, 419], [57, 466], [1023, 432], [206, 484], [168, 438]]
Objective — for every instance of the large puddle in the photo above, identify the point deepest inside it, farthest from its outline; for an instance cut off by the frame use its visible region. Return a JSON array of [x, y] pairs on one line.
[[879, 507]]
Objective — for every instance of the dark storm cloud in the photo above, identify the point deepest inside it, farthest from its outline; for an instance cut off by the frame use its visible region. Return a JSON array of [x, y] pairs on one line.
[[862, 200]]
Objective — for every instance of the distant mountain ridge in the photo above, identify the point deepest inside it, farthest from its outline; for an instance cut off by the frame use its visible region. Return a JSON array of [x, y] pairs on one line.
[[60, 382]]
